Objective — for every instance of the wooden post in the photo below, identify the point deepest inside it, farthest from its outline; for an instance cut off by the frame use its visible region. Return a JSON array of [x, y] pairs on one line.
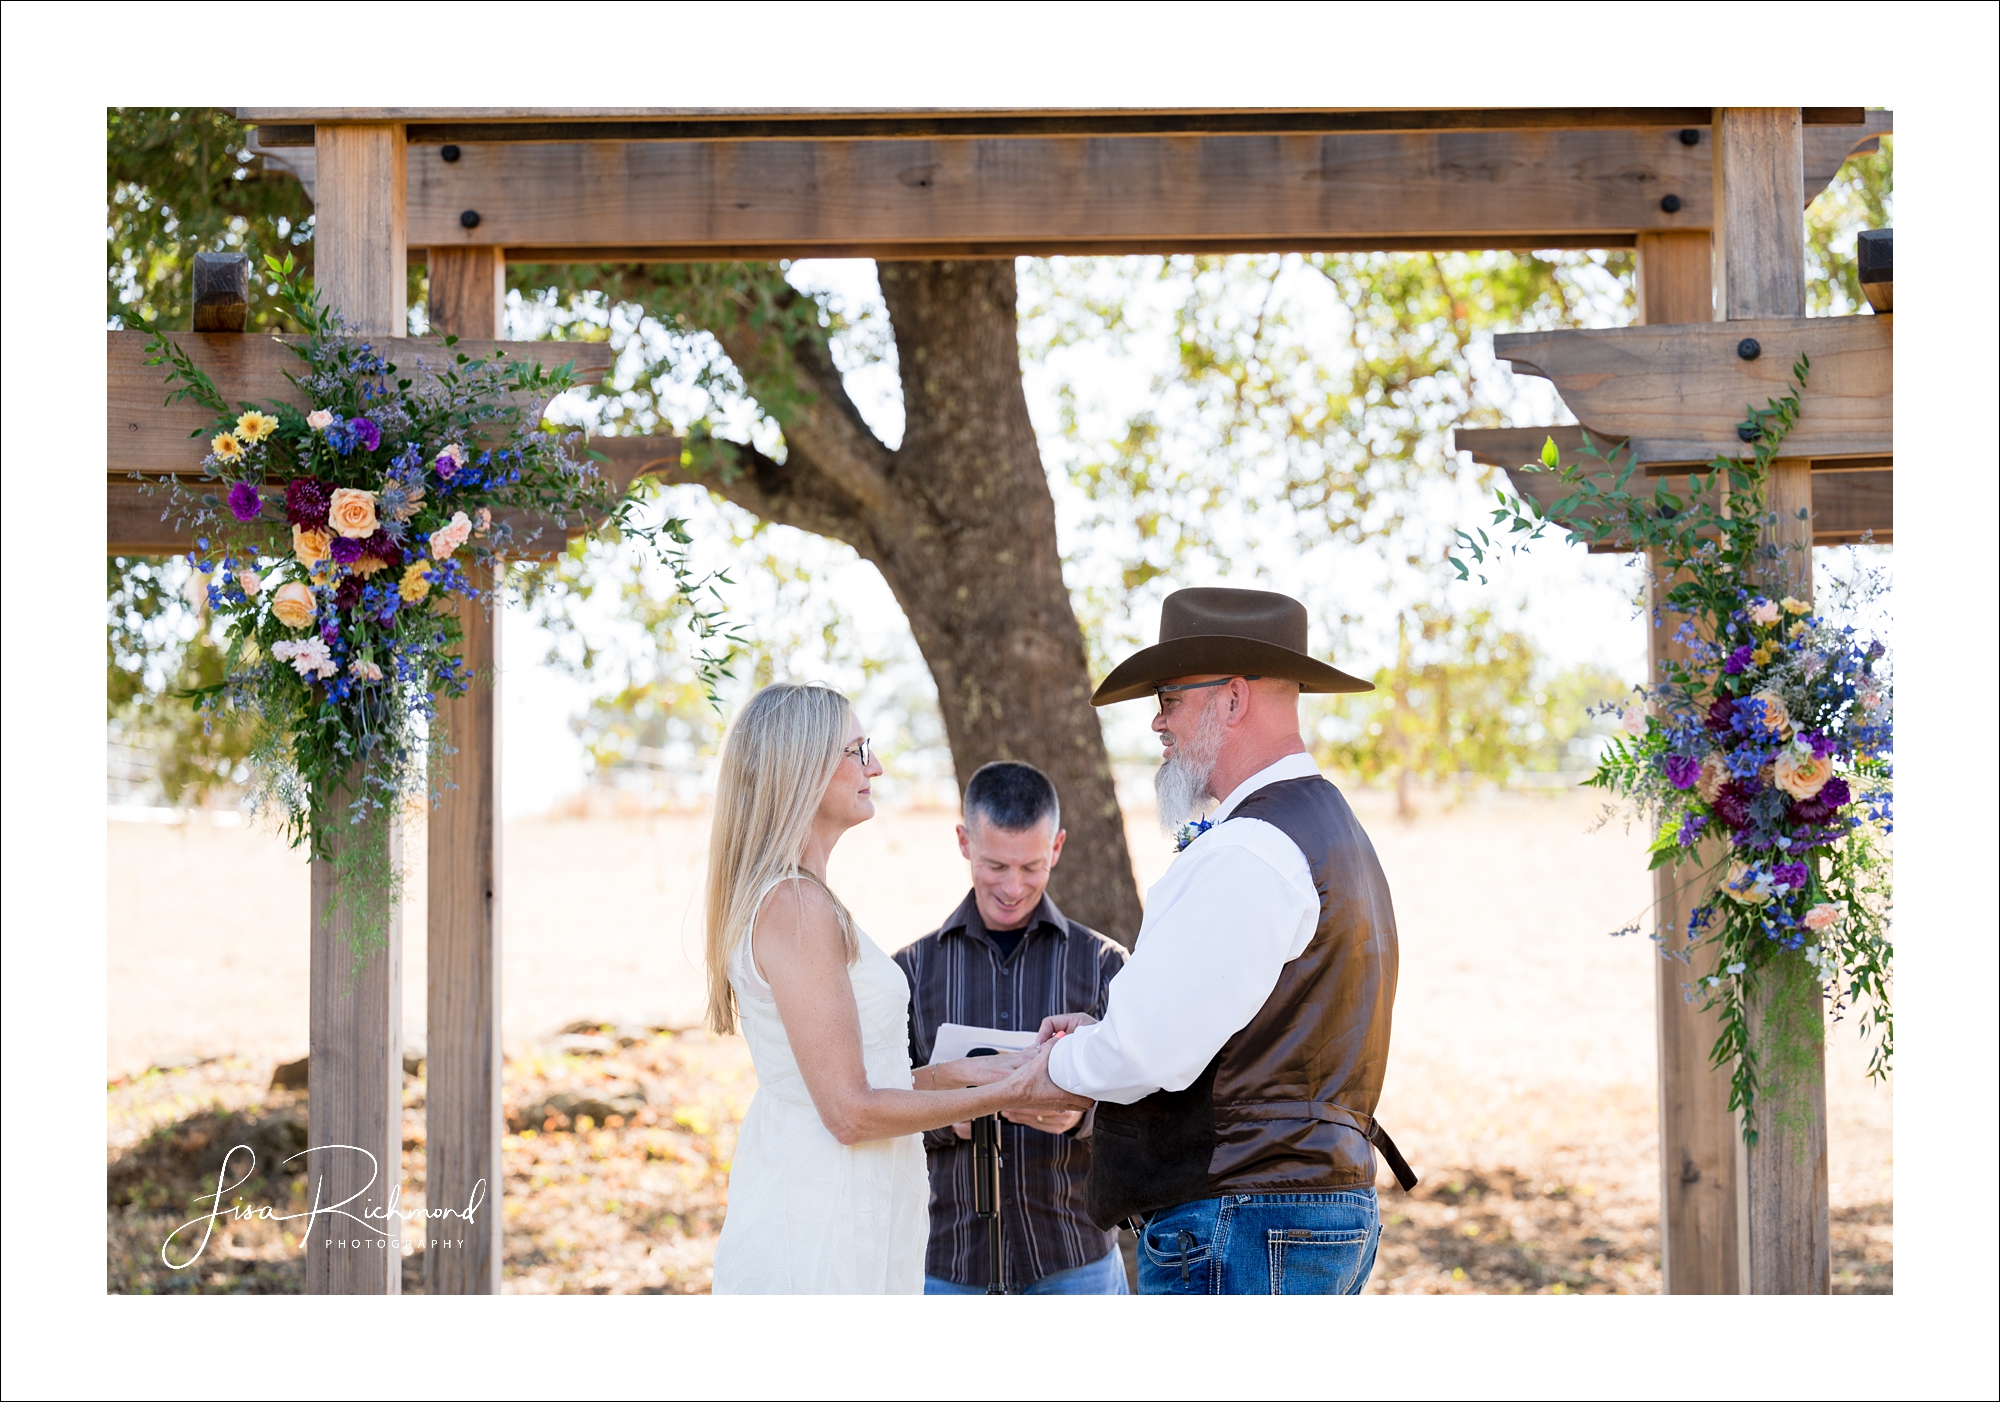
[[1697, 1131], [1781, 1180], [221, 291], [462, 1038], [356, 1036]]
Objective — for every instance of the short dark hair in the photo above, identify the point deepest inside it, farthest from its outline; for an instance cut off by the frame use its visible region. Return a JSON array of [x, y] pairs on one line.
[[1012, 795]]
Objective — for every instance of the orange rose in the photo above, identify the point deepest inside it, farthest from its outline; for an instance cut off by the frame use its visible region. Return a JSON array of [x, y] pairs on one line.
[[1800, 772], [293, 604], [352, 512], [311, 546]]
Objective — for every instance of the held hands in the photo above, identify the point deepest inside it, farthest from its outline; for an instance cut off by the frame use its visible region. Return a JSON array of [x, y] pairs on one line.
[[1061, 1025], [1026, 1073]]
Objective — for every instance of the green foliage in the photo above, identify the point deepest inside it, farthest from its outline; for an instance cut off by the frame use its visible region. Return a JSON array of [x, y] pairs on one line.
[[182, 181], [1861, 196], [160, 648]]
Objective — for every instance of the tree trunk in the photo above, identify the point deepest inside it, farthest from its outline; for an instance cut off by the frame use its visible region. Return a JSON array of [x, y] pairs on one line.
[[960, 522]]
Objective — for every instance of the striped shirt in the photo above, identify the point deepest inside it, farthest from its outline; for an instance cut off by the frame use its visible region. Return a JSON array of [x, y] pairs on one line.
[[957, 974]]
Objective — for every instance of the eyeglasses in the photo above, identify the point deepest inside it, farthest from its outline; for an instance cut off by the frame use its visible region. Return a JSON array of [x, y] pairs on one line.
[[1162, 692], [861, 750]]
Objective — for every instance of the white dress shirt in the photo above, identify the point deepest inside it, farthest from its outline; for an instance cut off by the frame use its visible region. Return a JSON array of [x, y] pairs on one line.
[[1235, 907]]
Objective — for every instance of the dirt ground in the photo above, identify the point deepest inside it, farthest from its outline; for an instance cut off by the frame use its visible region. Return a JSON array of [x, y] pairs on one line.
[[1521, 1084]]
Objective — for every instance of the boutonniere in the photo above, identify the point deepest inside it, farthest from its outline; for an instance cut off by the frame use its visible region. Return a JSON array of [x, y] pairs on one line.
[[1188, 832]]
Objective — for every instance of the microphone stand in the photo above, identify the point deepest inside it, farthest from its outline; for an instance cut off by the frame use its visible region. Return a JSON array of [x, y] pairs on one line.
[[986, 1186]]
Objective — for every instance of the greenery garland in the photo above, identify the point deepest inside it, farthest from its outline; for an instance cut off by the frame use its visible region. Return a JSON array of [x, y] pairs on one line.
[[337, 544], [1762, 758]]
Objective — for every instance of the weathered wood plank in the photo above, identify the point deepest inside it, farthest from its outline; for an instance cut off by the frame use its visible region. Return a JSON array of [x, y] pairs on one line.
[[144, 435], [1698, 1228], [792, 195], [356, 1015], [1783, 1214], [535, 123], [463, 1123], [1680, 390]]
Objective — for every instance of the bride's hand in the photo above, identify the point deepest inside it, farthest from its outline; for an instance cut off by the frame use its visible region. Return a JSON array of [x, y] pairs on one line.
[[1061, 1025], [977, 1070], [1036, 1092]]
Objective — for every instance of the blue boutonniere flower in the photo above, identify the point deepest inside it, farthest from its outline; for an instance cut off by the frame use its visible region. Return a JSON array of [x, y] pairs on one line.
[[1188, 832]]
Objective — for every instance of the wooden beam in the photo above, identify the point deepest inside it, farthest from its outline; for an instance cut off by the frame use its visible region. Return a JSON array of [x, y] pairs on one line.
[[1681, 390], [1698, 1227], [355, 1092], [142, 434], [462, 1058], [1049, 195], [221, 291], [1783, 1211], [293, 125], [1566, 219]]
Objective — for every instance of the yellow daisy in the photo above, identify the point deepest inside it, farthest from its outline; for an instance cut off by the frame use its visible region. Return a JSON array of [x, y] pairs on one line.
[[226, 446], [256, 427], [1762, 654]]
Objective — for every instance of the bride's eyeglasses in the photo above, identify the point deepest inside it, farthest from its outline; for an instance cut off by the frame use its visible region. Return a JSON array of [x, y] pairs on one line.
[[860, 750]]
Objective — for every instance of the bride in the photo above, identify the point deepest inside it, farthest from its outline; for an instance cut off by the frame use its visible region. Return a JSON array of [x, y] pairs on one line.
[[828, 1193]]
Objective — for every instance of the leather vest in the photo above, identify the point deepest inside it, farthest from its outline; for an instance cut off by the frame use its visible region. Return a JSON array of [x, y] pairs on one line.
[[1287, 1105]]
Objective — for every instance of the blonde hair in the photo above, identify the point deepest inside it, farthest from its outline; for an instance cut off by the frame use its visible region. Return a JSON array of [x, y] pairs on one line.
[[776, 764]]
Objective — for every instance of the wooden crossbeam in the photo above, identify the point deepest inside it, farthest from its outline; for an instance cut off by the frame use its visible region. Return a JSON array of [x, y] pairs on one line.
[[1680, 391], [144, 435], [293, 126], [614, 200]]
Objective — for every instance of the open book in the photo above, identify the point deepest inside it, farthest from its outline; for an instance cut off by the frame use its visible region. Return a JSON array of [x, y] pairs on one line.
[[955, 1039]]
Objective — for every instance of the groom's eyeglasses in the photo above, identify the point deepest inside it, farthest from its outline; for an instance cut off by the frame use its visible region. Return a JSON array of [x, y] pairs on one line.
[[861, 750], [1168, 702]]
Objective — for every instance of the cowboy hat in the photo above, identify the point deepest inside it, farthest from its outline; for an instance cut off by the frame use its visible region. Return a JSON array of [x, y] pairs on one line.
[[1241, 632]]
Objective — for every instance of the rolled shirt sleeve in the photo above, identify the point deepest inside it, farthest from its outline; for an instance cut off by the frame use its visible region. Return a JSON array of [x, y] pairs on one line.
[[1232, 911]]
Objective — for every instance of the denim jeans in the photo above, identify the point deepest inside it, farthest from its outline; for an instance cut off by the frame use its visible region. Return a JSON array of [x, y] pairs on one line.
[[1101, 1277], [1262, 1244]]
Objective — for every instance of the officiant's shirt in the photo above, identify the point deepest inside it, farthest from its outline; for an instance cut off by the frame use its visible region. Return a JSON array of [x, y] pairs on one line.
[[1234, 908], [964, 973]]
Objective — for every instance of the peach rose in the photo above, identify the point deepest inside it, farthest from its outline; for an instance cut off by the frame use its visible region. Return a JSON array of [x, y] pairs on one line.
[[352, 512], [1748, 885], [311, 546], [1714, 774], [1763, 613], [293, 604], [446, 539], [1777, 720], [1634, 722], [251, 582], [319, 420], [1821, 918], [1800, 772]]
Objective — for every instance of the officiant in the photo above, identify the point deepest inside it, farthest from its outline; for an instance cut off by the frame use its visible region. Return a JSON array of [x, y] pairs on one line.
[[1007, 958]]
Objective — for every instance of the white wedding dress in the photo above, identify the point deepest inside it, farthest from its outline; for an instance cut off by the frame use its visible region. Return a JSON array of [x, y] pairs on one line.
[[807, 1214]]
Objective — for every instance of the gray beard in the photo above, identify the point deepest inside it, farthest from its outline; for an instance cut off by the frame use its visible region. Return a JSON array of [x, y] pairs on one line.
[[1181, 785]]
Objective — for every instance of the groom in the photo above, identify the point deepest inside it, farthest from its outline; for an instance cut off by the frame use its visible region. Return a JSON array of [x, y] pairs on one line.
[[1242, 1049]]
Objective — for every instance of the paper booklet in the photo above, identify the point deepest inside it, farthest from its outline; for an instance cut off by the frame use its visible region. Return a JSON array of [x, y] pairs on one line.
[[955, 1039]]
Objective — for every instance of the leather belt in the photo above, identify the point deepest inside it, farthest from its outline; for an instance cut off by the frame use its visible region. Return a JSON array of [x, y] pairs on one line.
[[1365, 1125]]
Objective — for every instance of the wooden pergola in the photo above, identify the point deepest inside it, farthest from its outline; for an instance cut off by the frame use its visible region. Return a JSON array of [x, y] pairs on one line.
[[1712, 201]]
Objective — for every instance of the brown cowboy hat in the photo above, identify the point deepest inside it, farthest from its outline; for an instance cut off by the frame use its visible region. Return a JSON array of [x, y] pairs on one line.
[[1240, 632]]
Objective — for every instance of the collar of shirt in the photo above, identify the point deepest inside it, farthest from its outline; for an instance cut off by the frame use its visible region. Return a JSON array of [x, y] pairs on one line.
[[1299, 766], [967, 920]]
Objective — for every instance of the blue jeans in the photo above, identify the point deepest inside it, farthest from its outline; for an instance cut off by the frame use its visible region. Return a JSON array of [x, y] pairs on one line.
[[1262, 1244], [1104, 1277]]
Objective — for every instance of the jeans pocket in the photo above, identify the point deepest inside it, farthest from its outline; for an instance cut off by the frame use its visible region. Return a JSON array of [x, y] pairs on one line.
[[1306, 1262], [1173, 1260]]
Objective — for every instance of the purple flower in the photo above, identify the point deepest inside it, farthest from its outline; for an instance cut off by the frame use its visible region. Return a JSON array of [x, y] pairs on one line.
[[329, 632], [1833, 796], [346, 550], [383, 548], [245, 502], [306, 502], [1738, 660], [1721, 711], [348, 594], [1691, 827], [366, 433], [1791, 875], [1732, 804], [1822, 744], [1682, 771]]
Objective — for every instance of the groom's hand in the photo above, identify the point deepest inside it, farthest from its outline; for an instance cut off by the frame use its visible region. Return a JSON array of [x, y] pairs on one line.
[[1043, 1096], [1047, 1121], [1061, 1025]]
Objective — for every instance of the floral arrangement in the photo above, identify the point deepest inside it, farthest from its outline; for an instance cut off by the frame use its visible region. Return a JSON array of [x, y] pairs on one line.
[[1761, 756], [338, 543], [1188, 832]]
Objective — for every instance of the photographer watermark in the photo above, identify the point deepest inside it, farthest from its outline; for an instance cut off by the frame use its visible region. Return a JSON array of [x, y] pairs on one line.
[[347, 1227]]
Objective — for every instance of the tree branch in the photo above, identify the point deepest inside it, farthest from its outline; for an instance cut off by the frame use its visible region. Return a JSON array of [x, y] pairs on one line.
[[790, 493]]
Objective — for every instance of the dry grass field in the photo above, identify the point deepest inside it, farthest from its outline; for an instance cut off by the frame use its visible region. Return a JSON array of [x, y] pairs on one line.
[[1521, 1084]]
